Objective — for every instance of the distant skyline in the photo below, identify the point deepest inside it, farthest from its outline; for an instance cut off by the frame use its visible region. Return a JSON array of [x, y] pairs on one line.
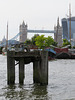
[[38, 14]]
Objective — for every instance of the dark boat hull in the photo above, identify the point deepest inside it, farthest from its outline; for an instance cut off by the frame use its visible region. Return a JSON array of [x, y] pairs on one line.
[[63, 55]]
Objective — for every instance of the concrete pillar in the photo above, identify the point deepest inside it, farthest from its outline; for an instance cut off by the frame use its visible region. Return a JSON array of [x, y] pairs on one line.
[[21, 70], [40, 69], [10, 70]]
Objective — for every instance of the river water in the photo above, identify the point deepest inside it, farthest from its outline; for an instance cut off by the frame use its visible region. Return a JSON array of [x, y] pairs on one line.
[[61, 84]]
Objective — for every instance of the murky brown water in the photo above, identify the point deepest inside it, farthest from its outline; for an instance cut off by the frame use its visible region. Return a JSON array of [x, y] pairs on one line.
[[61, 85]]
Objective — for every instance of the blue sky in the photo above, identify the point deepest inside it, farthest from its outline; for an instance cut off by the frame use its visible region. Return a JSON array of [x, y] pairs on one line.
[[38, 14]]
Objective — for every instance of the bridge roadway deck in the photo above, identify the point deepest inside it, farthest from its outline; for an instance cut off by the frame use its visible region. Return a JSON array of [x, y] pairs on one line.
[[40, 31]]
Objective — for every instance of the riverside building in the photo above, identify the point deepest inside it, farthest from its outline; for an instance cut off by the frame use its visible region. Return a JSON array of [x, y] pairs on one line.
[[66, 27]]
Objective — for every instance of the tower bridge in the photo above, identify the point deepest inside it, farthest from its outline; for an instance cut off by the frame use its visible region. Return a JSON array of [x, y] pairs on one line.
[[23, 31]]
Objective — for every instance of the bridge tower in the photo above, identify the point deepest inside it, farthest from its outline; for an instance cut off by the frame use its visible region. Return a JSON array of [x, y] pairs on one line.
[[58, 33], [23, 31]]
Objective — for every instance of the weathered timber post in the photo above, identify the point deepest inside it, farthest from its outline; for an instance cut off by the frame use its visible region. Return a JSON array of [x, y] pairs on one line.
[[44, 67], [40, 69], [40, 66], [10, 69], [36, 71], [21, 70]]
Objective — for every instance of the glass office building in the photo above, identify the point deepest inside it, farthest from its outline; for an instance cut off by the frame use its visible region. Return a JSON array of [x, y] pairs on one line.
[[65, 26]]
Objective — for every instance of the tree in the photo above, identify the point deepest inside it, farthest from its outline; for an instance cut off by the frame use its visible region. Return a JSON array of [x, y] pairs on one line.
[[33, 39], [54, 43], [40, 41], [66, 42], [43, 42], [49, 41], [28, 42]]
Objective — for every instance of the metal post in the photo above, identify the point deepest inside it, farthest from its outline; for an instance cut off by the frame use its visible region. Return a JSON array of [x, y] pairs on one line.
[[70, 22]]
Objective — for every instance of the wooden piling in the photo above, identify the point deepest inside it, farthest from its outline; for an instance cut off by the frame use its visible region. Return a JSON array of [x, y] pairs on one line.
[[10, 70], [40, 69], [36, 71], [44, 67], [21, 70], [40, 66]]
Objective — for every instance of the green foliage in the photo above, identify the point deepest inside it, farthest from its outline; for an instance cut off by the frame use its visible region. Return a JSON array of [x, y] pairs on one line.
[[65, 42], [73, 47], [28, 42], [49, 41], [54, 43], [33, 39], [1, 48], [40, 41]]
